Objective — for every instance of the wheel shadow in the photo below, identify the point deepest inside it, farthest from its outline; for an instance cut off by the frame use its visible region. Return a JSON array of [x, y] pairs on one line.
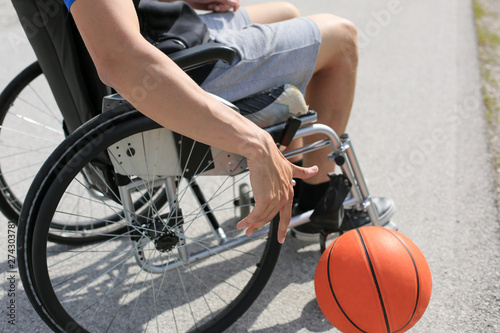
[[83, 284]]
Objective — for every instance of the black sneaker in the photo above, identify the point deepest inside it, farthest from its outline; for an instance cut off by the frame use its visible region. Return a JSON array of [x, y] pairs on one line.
[[353, 218]]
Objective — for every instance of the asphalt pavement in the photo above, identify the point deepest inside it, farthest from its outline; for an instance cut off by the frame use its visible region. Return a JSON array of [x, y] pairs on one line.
[[419, 130]]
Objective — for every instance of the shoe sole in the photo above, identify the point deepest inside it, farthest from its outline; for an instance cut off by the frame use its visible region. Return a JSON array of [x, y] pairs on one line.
[[383, 219], [315, 237]]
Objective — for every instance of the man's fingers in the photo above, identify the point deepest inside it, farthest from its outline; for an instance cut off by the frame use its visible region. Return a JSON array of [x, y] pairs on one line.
[[285, 217], [256, 219], [235, 4], [252, 227], [224, 6]]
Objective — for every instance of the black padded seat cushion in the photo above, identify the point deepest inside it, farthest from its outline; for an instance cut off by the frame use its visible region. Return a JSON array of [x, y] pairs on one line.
[[259, 101]]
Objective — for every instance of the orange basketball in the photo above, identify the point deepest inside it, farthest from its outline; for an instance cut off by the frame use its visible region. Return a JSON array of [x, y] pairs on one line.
[[373, 279]]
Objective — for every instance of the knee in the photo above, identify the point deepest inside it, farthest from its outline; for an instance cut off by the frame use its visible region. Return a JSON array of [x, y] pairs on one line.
[[288, 10], [349, 41], [339, 37], [349, 31]]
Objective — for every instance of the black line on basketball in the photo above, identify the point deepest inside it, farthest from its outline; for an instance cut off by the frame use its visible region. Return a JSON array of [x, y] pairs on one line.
[[374, 276], [333, 293], [418, 280]]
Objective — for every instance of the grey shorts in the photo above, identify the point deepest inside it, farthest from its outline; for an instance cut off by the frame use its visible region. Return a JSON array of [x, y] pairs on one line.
[[267, 55]]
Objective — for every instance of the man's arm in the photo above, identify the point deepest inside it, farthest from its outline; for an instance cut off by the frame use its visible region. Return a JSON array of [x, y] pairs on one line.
[[162, 91]]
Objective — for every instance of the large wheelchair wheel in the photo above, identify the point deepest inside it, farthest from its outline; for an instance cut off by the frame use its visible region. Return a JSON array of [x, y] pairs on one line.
[[181, 266]]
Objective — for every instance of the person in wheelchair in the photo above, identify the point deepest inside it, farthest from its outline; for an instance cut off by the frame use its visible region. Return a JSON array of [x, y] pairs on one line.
[[317, 54]]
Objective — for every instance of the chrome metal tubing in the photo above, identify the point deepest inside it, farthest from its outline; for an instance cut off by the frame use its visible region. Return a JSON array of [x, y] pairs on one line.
[[347, 169], [361, 183], [337, 147], [307, 149], [127, 204], [319, 129], [350, 168]]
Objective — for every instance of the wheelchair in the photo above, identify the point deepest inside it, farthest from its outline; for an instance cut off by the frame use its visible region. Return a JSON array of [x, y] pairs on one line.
[[128, 226]]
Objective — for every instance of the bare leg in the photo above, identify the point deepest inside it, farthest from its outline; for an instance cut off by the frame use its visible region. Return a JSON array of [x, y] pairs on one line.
[[272, 12], [331, 90]]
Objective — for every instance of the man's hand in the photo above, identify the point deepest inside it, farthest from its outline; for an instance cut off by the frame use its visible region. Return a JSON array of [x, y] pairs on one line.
[[271, 178], [216, 6]]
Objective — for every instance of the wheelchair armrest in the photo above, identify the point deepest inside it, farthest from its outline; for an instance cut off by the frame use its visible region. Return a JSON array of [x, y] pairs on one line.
[[277, 131], [203, 54]]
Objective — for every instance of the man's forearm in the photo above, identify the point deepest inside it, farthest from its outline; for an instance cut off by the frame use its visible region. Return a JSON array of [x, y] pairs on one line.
[[167, 95]]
